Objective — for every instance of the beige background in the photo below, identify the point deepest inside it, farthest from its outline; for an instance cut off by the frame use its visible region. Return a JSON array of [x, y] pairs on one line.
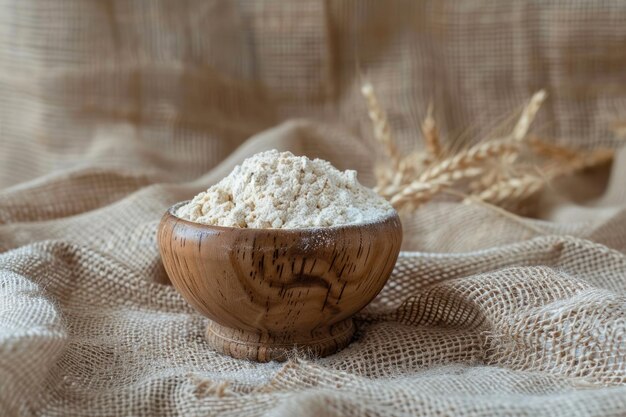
[[177, 86], [110, 111]]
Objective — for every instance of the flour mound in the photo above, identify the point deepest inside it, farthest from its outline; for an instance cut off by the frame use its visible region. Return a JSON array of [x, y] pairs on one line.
[[278, 190]]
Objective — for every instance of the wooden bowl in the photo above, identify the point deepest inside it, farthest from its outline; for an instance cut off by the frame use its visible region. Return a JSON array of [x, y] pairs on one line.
[[270, 291]]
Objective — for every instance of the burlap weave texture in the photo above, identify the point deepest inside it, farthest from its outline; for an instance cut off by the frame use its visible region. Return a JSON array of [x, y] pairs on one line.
[[111, 111]]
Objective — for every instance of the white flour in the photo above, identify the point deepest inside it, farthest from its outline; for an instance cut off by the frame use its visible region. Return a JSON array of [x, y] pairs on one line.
[[282, 191]]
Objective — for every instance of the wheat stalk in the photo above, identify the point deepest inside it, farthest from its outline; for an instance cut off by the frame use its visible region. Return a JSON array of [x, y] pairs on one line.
[[597, 157], [430, 134], [418, 192], [551, 150], [583, 160], [477, 154], [528, 115], [562, 161], [493, 171], [382, 130], [469, 158], [509, 189], [520, 131]]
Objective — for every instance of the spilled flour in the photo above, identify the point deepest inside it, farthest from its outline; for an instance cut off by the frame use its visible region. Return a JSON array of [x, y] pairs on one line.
[[279, 190]]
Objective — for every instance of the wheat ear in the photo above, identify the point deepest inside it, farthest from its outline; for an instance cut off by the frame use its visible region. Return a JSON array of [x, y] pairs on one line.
[[431, 134], [477, 154], [418, 192], [551, 150], [584, 159], [469, 158], [511, 189], [382, 130], [528, 115]]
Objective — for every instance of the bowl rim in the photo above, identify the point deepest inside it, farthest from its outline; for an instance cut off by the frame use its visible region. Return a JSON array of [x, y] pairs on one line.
[[389, 218]]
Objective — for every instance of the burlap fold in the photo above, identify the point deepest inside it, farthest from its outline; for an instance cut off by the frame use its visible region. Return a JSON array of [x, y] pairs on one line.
[[112, 111]]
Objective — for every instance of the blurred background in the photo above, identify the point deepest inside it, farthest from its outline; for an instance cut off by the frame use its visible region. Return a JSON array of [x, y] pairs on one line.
[[171, 88], [508, 297]]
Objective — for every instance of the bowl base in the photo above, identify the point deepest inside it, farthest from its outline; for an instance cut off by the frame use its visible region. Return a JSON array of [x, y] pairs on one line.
[[264, 348]]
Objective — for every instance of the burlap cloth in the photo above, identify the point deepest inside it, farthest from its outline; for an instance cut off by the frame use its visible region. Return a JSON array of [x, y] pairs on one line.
[[110, 111]]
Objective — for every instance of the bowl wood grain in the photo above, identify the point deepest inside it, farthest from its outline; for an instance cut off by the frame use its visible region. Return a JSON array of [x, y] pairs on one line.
[[270, 291]]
